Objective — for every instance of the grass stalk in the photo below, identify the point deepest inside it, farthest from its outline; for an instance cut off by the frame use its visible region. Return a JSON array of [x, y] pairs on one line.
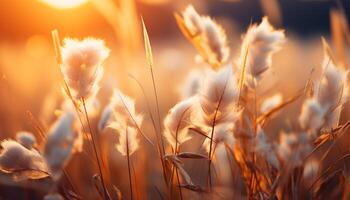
[[94, 140], [212, 138], [129, 170]]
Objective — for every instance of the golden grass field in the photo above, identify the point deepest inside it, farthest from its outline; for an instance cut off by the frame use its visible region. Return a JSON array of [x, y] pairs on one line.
[[210, 112]]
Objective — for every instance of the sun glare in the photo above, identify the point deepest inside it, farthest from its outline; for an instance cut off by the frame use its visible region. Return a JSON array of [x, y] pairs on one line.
[[64, 4]]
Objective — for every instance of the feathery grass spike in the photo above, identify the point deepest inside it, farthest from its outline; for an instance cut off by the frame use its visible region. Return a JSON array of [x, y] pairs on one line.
[[148, 48]]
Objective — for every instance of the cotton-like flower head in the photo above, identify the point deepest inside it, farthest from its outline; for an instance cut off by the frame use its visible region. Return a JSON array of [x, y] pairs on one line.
[[92, 107], [191, 85], [26, 139], [223, 135], [312, 115], [214, 42], [218, 92], [62, 142], [258, 46], [311, 169], [293, 148], [192, 20], [264, 148], [15, 157], [333, 84], [126, 122], [332, 91], [105, 117], [82, 65], [270, 103], [124, 110], [207, 36], [177, 121], [128, 140]]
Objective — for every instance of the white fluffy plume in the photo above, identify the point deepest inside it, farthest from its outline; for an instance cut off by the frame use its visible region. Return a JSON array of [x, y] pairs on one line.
[[62, 142], [177, 121], [26, 139], [208, 37], [82, 65], [223, 135], [217, 96], [258, 46], [15, 157], [332, 91], [126, 122]]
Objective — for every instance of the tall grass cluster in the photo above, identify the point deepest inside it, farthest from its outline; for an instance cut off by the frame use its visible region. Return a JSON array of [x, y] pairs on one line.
[[213, 143]]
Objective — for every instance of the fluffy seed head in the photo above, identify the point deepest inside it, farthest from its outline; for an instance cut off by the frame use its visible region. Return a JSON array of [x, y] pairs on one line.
[[311, 169], [293, 148], [124, 110], [177, 121], [264, 148], [82, 65], [192, 20], [270, 103], [26, 139], [215, 42], [14, 157], [218, 92], [222, 135], [259, 44], [126, 122], [332, 91], [105, 117], [332, 87], [62, 142], [312, 115], [191, 84], [128, 140], [209, 37]]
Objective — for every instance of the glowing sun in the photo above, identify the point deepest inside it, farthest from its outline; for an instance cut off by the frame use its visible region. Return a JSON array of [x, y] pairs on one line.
[[64, 4]]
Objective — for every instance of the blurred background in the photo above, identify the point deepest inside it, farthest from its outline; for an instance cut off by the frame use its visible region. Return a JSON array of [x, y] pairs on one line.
[[21, 19], [27, 56]]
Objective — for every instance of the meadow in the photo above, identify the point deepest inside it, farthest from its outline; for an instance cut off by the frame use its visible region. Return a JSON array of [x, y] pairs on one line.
[[215, 114]]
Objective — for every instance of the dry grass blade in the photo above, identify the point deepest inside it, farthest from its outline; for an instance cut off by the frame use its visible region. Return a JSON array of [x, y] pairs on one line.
[[178, 164], [117, 193], [37, 125], [160, 142], [262, 119], [96, 179], [328, 169], [57, 45], [148, 48], [327, 49], [242, 76], [330, 135], [183, 29], [28, 174], [199, 131], [195, 188], [191, 155]]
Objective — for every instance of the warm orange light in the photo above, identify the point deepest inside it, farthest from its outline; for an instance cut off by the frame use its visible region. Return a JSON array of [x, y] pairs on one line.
[[64, 4], [155, 1]]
